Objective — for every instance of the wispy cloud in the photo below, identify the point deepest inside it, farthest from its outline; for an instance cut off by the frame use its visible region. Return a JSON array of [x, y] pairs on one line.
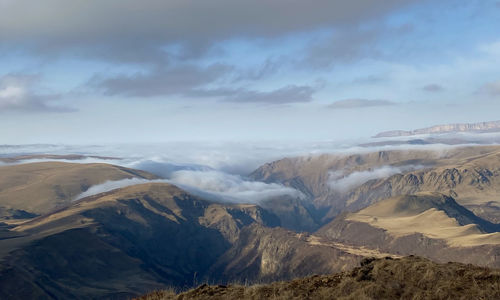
[[232, 188], [162, 81], [17, 92], [433, 88], [343, 183], [192, 81], [287, 94], [359, 103], [211, 185], [490, 89], [113, 185]]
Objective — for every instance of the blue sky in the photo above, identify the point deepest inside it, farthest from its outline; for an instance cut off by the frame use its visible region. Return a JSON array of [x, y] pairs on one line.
[[156, 71]]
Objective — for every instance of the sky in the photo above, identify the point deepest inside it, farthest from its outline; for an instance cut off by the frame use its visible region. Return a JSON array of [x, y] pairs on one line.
[[123, 71]]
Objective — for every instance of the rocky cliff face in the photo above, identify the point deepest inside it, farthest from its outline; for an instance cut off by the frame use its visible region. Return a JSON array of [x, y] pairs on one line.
[[447, 128], [267, 254], [336, 183]]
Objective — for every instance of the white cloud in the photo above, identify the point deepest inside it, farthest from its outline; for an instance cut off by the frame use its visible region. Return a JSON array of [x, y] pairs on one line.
[[343, 183], [17, 93], [113, 185], [208, 184], [232, 188]]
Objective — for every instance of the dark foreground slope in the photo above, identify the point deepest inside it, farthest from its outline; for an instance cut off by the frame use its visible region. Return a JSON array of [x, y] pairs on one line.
[[119, 244], [406, 278]]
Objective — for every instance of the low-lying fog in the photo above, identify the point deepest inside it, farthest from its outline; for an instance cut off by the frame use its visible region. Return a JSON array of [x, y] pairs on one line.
[[220, 170]]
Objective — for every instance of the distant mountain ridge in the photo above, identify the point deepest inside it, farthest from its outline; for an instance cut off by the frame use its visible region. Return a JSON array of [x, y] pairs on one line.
[[446, 128]]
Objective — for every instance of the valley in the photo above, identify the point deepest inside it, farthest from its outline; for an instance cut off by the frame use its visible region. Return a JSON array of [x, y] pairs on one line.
[[130, 240]]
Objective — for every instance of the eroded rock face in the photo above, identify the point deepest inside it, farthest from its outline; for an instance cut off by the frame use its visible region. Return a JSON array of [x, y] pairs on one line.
[[122, 243], [266, 254], [471, 175]]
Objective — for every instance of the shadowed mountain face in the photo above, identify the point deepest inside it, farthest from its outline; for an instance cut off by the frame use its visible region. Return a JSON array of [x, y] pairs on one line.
[[132, 240], [121, 243], [335, 183], [267, 254], [39, 188]]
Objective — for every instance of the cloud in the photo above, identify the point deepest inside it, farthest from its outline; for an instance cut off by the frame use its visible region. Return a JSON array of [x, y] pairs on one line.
[[17, 92], [341, 47], [165, 169], [211, 185], [191, 82], [433, 88], [371, 79], [490, 89], [359, 103], [162, 81], [113, 185], [341, 183], [50, 26], [287, 94], [232, 188]]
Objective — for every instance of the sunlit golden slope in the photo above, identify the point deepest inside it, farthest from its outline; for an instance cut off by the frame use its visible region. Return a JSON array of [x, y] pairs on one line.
[[41, 187]]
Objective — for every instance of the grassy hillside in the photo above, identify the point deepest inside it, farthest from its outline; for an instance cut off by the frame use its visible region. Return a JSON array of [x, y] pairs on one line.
[[405, 278], [40, 188], [426, 224], [471, 175], [120, 243]]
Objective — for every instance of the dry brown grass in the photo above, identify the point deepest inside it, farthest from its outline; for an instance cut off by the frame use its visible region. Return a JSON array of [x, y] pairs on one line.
[[406, 278], [42, 187]]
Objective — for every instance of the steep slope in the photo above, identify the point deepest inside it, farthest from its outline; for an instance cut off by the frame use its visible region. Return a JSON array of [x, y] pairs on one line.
[[336, 183], [427, 224], [266, 254], [405, 278], [474, 184], [121, 243], [39, 188], [294, 214]]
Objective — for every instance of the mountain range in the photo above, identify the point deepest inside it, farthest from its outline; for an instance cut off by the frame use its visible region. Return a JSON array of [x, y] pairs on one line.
[[493, 126], [439, 204]]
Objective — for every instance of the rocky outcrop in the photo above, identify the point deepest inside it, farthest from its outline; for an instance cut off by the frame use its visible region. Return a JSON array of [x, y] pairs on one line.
[[448, 128], [267, 254], [471, 175], [385, 278]]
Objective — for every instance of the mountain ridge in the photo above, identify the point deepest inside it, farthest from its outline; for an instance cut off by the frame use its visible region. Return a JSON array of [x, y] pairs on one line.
[[492, 126]]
